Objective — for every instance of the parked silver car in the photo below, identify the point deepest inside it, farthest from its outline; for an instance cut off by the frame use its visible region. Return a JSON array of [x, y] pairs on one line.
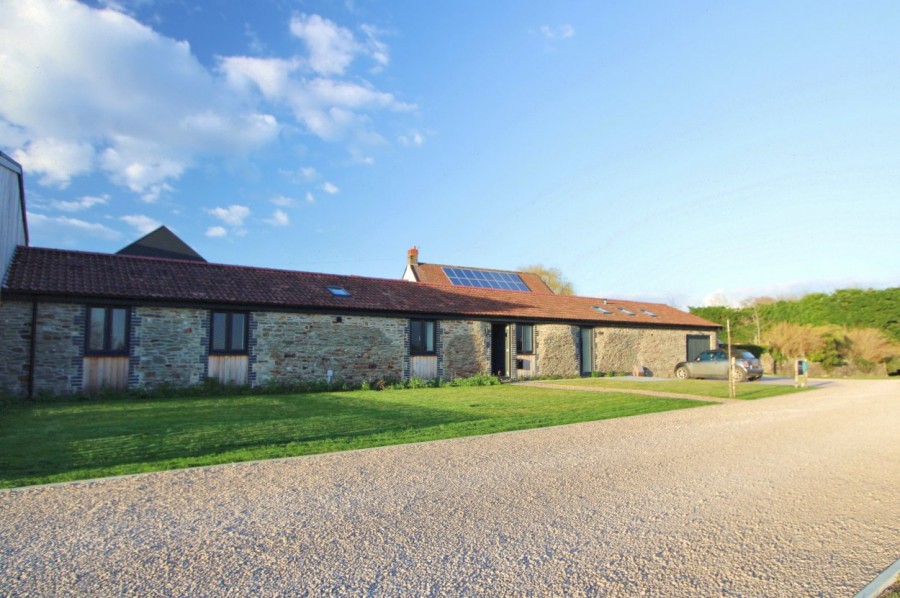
[[714, 364]]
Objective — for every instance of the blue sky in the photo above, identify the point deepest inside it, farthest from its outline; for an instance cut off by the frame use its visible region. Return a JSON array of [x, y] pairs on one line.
[[680, 152]]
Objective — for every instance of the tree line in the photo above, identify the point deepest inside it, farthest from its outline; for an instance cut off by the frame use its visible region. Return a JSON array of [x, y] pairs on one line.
[[855, 327]]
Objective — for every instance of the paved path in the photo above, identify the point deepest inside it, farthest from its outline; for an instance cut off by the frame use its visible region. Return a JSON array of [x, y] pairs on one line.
[[633, 391], [787, 496]]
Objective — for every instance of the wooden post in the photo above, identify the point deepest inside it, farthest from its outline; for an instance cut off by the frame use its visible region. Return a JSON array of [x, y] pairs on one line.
[[732, 390]]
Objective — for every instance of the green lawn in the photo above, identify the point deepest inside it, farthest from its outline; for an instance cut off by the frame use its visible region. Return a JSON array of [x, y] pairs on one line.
[[69, 439], [705, 388]]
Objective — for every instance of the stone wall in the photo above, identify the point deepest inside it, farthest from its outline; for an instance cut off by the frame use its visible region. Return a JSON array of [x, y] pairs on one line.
[[465, 348], [658, 350], [169, 345], [60, 341], [556, 350], [59, 349], [15, 335], [292, 347], [58, 368]]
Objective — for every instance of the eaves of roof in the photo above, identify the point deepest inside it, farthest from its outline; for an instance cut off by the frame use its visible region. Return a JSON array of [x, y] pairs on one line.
[[106, 277]]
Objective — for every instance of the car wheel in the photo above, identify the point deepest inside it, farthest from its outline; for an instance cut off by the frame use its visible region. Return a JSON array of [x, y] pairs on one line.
[[682, 373], [739, 375]]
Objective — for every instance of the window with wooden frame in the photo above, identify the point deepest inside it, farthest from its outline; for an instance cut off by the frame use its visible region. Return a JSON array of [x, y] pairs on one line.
[[228, 333], [524, 339], [421, 337], [107, 331]]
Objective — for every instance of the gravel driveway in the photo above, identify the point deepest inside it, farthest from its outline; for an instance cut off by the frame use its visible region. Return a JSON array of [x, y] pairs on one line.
[[789, 496]]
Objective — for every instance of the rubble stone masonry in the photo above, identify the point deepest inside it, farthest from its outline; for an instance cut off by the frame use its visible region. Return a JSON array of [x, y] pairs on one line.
[[293, 347], [169, 345], [466, 348], [60, 345], [556, 350], [15, 335], [624, 349]]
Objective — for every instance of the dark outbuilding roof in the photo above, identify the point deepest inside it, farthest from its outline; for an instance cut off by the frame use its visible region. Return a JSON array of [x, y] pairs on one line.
[[162, 243], [75, 275]]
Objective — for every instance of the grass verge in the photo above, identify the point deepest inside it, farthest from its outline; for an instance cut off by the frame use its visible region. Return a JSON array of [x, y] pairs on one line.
[[704, 388], [78, 439], [891, 592]]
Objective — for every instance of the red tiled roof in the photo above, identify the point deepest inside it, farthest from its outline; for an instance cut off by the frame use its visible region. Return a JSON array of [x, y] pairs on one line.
[[98, 277], [434, 273]]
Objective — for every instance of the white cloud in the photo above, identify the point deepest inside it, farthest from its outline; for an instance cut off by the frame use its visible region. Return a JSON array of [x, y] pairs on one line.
[[255, 43], [135, 104], [141, 167], [143, 224], [216, 231], [270, 75], [414, 138], [77, 205], [97, 91], [377, 49], [310, 86], [310, 198], [55, 159], [283, 201], [152, 193], [552, 33], [330, 108], [233, 215], [64, 230], [331, 48], [301, 175], [361, 158], [279, 218], [330, 188]]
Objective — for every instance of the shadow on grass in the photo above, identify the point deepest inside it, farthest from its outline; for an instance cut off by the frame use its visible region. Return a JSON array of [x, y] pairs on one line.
[[111, 434]]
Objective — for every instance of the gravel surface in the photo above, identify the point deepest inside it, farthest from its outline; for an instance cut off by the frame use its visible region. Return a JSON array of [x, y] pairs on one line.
[[788, 496]]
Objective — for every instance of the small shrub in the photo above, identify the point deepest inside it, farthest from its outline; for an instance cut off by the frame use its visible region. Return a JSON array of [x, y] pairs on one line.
[[829, 354], [476, 380], [864, 365], [416, 382]]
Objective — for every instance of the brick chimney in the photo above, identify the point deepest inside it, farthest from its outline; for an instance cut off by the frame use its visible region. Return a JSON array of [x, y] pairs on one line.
[[412, 256]]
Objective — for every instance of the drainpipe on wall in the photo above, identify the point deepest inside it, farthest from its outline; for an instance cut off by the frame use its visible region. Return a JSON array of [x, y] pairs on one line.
[[32, 348]]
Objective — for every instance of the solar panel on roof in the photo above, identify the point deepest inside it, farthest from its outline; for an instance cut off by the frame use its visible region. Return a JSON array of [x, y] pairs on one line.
[[485, 279]]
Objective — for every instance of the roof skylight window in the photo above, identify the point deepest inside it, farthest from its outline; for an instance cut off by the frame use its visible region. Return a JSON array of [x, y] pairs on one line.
[[601, 310], [485, 279], [625, 311], [649, 313], [339, 291]]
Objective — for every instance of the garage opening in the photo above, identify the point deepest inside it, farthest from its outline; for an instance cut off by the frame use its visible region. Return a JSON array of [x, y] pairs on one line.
[[697, 344]]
